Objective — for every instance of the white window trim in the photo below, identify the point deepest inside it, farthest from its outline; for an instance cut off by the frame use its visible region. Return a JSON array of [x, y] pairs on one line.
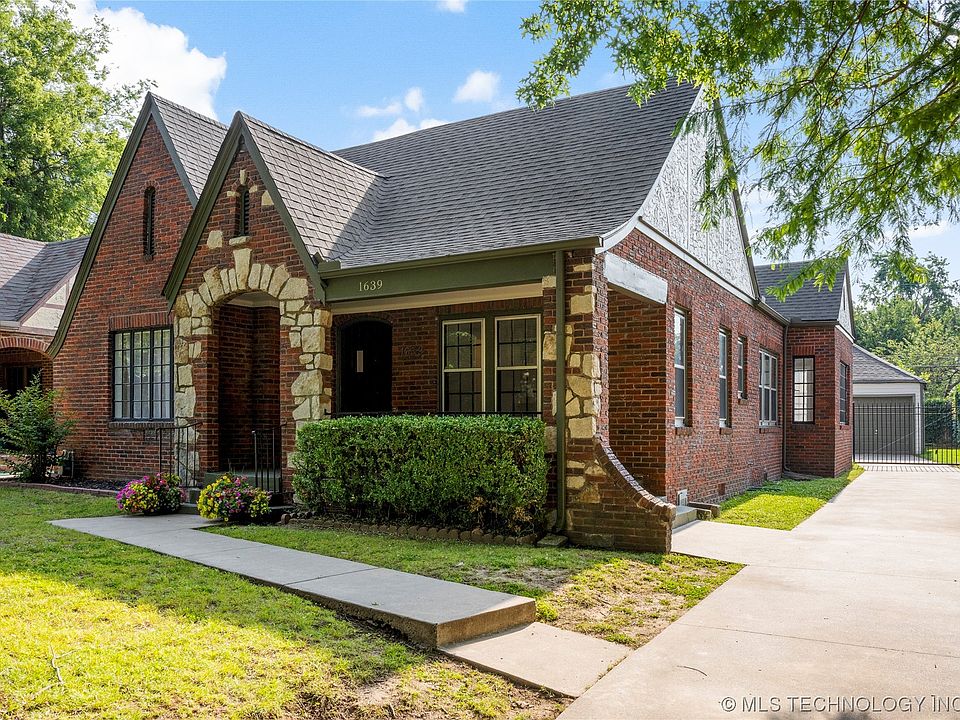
[[774, 389], [496, 358], [445, 370], [812, 384], [741, 368], [681, 420], [723, 371]]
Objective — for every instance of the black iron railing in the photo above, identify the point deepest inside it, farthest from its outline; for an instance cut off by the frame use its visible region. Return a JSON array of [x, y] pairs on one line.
[[177, 451], [268, 457], [906, 433]]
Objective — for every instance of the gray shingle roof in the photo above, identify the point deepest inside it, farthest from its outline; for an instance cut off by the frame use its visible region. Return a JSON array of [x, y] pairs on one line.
[[869, 368], [809, 303], [31, 270], [331, 200], [517, 178], [195, 137]]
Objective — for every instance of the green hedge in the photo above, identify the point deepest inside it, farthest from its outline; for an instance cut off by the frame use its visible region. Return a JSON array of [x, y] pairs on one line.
[[457, 471]]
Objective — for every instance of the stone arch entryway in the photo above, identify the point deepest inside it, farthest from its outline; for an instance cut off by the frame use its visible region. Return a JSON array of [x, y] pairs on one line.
[[250, 352], [22, 359]]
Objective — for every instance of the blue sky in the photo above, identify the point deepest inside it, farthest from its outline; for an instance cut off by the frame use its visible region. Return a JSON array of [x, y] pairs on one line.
[[343, 73]]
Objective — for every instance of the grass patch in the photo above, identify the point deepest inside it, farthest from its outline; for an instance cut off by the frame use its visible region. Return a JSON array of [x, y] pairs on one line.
[[946, 456], [134, 634], [783, 504], [621, 597]]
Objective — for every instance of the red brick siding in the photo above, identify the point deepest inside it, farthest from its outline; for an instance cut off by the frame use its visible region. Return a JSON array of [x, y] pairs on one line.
[[122, 282], [248, 368], [709, 462], [824, 447]]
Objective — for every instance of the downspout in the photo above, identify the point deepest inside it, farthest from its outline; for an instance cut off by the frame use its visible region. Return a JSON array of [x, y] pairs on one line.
[[560, 386], [783, 405]]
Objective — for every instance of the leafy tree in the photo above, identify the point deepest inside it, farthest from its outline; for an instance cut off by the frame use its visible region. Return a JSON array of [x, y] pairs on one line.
[[933, 353], [889, 323], [846, 114], [61, 130], [928, 296], [32, 428]]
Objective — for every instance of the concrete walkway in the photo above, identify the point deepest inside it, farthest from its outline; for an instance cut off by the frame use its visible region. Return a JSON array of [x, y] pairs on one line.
[[854, 614], [491, 630]]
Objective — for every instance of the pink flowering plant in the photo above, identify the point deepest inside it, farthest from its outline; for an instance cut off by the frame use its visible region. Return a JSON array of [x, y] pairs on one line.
[[233, 499], [151, 495]]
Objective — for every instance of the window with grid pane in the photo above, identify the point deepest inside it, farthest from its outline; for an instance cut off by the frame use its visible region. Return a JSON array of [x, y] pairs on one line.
[[724, 384], [742, 368], [844, 394], [143, 374], [803, 389], [463, 366], [518, 364], [768, 388], [680, 367]]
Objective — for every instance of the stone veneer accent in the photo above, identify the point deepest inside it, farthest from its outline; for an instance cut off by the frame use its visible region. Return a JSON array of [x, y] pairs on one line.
[[307, 330]]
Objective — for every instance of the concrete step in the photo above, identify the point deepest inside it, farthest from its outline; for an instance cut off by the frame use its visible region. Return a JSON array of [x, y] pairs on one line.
[[685, 514], [542, 656]]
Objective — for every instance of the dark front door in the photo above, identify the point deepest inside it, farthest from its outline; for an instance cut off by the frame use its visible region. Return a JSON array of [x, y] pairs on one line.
[[366, 366]]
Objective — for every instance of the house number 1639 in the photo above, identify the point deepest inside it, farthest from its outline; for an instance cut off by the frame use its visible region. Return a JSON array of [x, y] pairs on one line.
[[369, 285]]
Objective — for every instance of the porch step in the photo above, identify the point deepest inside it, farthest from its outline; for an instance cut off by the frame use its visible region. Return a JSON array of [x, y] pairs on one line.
[[685, 514]]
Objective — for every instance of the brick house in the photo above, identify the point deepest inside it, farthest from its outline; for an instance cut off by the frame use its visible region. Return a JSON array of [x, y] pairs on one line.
[[35, 281], [547, 263]]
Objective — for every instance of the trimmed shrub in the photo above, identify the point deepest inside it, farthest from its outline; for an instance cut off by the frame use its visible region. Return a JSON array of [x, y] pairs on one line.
[[461, 471], [232, 499], [151, 495]]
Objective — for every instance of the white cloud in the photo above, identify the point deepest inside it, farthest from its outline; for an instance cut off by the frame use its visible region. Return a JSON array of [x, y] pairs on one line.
[[453, 6], [401, 126], [413, 99], [480, 86], [142, 50], [393, 108], [929, 231]]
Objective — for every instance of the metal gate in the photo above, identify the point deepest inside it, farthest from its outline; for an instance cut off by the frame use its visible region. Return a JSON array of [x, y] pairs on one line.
[[896, 430]]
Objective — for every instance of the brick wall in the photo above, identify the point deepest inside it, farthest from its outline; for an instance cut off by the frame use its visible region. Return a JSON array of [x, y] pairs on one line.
[[824, 447], [248, 363], [122, 283], [709, 461]]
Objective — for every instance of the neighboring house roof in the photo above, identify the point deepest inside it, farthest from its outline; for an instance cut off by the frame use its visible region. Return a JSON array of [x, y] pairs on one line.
[[32, 270], [809, 303], [192, 141], [580, 168], [870, 368]]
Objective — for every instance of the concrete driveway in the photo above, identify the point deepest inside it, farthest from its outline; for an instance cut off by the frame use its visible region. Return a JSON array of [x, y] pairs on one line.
[[854, 614]]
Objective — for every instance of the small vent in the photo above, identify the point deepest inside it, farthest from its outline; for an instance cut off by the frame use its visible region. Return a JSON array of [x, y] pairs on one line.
[[721, 489], [681, 497]]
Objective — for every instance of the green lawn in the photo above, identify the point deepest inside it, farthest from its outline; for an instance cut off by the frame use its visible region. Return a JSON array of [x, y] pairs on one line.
[[618, 596], [784, 504], [947, 456], [91, 628]]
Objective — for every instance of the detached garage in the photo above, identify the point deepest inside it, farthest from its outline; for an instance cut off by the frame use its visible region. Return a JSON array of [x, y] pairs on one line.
[[888, 409]]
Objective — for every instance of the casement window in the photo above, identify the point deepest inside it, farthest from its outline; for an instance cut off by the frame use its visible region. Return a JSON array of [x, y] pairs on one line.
[[509, 348], [844, 394], [724, 377], [463, 366], [742, 368], [243, 212], [149, 227], [803, 390], [518, 364], [143, 374], [768, 388], [680, 367]]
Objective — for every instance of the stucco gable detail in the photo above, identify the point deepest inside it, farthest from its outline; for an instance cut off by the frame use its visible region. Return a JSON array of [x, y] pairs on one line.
[[671, 209]]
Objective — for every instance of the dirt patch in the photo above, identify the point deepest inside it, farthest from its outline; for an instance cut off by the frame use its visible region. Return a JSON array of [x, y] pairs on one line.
[[545, 579], [463, 694]]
